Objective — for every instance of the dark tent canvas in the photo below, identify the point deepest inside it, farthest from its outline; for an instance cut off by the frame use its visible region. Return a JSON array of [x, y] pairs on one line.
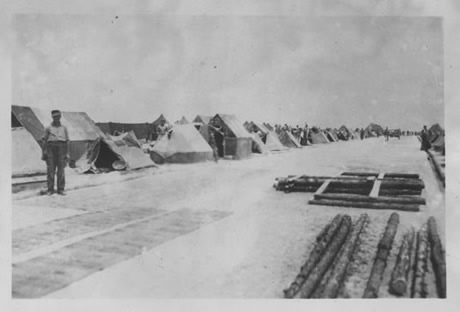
[[82, 130], [26, 154], [288, 140], [237, 140], [184, 145]]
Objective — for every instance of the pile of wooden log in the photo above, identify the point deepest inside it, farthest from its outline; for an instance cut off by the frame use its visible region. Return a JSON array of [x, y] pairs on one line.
[[323, 273], [395, 191], [408, 277]]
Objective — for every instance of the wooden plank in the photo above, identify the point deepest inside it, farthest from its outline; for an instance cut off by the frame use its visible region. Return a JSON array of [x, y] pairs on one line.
[[323, 187], [376, 188]]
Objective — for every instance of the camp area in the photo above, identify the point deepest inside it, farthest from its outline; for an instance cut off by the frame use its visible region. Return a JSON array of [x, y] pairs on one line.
[[183, 150]]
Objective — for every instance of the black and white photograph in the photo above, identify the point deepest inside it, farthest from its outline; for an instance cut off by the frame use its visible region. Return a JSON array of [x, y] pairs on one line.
[[233, 150]]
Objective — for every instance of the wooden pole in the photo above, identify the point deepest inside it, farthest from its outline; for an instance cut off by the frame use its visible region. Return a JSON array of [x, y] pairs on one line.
[[330, 287], [322, 241], [400, 277], [438, 258], [326, 260], [419, 289], [365, 205], [380, 262], [380, 199]]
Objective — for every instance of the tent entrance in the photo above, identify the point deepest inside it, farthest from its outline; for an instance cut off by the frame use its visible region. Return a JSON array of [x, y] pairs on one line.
[[105, 157]]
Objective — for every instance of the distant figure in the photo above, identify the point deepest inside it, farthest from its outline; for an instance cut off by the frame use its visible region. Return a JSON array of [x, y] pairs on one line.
[[162, 129], [217, 135], [386, 133], [425, 142], [362, 133], [56, 153]]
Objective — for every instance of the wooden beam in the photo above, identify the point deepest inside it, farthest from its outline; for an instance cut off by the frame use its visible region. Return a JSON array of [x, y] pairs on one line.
[[323, 187], [376, 188]]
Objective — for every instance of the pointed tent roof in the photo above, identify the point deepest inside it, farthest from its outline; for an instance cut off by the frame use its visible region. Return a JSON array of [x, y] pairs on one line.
[[202, 118], [287, 139], [268, 126], [183, 121], [159, 119], [184, 145], [258, 126], [26, 154], [232, 125]]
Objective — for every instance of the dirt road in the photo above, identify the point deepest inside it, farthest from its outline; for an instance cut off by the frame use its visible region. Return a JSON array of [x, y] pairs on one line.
[[204, 230]]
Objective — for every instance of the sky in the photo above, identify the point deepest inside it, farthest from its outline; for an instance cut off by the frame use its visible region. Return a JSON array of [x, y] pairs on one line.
[[323, 70]]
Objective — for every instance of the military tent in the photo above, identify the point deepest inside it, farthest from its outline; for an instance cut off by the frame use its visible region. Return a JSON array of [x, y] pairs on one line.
[[26, 154], [287, 139], [272, 143], [237, 141], [82, 130], [183, 145], [105, 155], [202, 119], [183, 121], [257, 145], [268, 126], [438, 144], [318, 137], [156, 123]]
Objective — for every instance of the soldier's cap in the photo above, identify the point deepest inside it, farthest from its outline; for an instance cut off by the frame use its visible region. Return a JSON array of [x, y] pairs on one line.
[[55, 113]]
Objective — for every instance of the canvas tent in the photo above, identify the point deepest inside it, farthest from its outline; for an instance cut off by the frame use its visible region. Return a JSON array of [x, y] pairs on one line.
[[287, 139], [438, 143], [183, 121], [202, 119], [156, 123], [184, 145], [105, 155], [82, 130], [373, 130], [237, 141], [268, 126], [272, 143], [318, 137], [257, 145], [26, 154]]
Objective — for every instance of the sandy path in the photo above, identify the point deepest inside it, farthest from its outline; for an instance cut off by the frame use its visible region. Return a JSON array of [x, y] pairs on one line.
[[254, 250]]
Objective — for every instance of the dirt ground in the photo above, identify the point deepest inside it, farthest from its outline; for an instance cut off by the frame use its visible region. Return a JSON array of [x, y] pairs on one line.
[[206, 230]]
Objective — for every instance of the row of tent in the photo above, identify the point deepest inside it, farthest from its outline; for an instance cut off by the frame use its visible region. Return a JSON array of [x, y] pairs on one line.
[[94, 148]]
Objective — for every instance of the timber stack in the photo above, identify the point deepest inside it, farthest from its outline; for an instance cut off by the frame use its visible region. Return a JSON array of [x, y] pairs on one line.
[[396, 191]]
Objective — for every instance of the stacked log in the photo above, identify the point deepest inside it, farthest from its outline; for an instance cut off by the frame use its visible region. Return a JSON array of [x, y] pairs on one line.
[[327, 258], [367, 205], [322, 241], [331, 285], [419, 287], [438, 259], [390, 186], [380, 262], [400, 277]]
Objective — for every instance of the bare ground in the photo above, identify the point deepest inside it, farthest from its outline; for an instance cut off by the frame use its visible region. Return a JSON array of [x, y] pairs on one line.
[[205, 230]]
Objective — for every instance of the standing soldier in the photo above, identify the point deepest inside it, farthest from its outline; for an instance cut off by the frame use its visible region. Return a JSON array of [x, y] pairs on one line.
[[56, 152], [425, 142]]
